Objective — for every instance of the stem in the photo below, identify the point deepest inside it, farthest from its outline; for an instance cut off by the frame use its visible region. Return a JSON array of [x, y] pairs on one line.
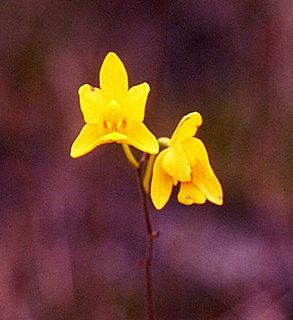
[[151, 235], [130, 156], [148, 173]]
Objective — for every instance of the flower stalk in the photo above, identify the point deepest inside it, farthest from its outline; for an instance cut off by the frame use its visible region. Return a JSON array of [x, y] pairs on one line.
[[151, 236], [144, 182], [148, 173], [129, 155]]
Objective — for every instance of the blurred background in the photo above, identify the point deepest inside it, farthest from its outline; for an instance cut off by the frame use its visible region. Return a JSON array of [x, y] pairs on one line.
[[72, 231]]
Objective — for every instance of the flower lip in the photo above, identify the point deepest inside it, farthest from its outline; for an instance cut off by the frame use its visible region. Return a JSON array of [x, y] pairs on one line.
[[113, 119]]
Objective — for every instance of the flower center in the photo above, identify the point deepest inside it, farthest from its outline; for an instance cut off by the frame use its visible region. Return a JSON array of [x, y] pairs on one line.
[[113, 118]]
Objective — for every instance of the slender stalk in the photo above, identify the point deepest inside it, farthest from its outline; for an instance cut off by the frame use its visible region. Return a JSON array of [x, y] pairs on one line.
[[130, 156], [151, 235], [148, 173]]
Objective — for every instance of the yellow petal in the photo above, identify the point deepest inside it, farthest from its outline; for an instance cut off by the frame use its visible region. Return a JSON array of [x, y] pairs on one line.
[[212, 189], [113, 78], [190, 148], [135, 102], [203, 176], [92, 103], [87, 140], [92, 136], [189, 194], [162, 183], [141, 138], [187, 127], [176, 164]]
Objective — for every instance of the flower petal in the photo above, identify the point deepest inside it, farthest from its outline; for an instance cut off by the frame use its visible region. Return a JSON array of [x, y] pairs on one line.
[[141, 138], [189, 194], [212, 189], [92, 136], [135, 102], [87, 140], [176, 164], [162, 183], [113, 78], [187, 127], [203, 176], [190, 148], [92, 103]]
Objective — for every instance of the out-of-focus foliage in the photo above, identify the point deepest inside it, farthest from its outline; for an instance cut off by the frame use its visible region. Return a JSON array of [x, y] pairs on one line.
[[72, 231]]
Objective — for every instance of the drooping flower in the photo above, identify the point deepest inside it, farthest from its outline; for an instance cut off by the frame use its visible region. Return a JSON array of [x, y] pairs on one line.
[[185, 160], [113, 112]]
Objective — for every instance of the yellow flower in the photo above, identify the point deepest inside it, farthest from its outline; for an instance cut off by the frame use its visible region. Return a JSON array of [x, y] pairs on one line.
[[113, 113], [185, 160]]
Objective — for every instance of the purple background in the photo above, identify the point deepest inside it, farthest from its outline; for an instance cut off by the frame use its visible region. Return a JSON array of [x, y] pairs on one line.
[[72, 231]]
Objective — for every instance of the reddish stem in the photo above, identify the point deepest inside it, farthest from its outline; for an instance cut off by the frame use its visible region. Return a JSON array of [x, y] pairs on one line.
[[147, 262]]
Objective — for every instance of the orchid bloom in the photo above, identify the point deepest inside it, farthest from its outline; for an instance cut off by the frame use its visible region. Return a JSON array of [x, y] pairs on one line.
[[113, 112], [185, 160]]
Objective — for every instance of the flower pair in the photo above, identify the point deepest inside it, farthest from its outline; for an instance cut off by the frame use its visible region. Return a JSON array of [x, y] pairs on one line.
[[115, 113]]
